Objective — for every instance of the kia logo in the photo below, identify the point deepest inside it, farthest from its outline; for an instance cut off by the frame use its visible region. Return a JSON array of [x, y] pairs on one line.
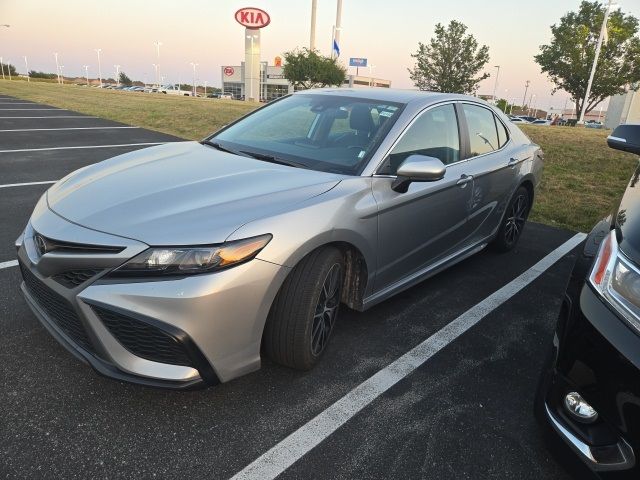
[[252, 17], [41, 244]]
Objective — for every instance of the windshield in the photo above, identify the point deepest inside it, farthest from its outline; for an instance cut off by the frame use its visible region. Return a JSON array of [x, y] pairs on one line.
[[330, 133]]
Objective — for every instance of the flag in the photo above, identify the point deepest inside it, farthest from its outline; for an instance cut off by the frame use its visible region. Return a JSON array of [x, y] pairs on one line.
[[336, 48]]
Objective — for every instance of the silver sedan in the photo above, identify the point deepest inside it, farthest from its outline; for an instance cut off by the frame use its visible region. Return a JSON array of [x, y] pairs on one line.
[[181, 264]]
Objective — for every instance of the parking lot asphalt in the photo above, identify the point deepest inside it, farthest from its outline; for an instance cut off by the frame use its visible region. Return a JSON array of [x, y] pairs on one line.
[[464, 413]]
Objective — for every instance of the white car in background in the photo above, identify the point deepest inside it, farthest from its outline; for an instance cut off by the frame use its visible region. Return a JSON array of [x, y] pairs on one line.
[[518, 120], [174, 90], [541, 122]]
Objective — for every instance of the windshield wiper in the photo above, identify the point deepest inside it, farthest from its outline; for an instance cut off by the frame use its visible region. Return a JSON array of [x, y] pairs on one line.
[[217, 146], [272, 159]]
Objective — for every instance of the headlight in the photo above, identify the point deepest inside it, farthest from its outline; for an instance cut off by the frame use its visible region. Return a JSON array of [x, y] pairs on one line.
[[192, 260], [617, 280]]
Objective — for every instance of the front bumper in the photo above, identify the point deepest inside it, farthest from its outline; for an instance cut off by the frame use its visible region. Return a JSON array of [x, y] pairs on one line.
[[174, 333], [597, 355]]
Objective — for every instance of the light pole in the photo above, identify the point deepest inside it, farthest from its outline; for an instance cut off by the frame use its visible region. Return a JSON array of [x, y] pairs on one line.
[[495, 86], [194, 65], [158, 44], [335, 38], [62, 74], [603, 31], [86, 73], [506, 105], [9, 68], [531, 100], [2, 67], [117, 67], [55, 54], [98, 50], [371, 67], [26, 65], [526, 87], [156, 81], [205, 89]]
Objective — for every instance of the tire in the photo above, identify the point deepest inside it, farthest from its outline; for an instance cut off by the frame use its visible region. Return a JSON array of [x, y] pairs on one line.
[[305, 310], [513, 221]]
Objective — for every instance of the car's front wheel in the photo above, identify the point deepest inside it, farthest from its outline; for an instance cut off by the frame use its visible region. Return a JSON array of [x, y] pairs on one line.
[[305, 310], [513, 221]]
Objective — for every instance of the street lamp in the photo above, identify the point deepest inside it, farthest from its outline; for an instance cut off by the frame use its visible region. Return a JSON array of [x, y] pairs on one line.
[[158, 44], [524, 98], [603, 31], [155, 66], [86, 73], [495, 86], [26, 65], [98, 50], [334, 40], [55, 54], [371, 67], [117, 67], [194, 65], [2, 67], [9, 68], [62, 74]]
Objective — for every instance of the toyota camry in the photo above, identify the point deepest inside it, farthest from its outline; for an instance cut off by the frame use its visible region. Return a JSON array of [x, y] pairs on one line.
[[182, 264]]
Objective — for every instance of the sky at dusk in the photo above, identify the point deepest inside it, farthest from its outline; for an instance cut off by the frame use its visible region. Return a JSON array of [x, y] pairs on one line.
[[205, 32]]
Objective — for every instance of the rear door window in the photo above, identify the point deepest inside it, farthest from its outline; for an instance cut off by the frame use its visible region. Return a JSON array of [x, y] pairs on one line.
[[483, 134]]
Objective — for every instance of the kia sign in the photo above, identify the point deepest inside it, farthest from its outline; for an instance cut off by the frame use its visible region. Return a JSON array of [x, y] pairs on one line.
[[252, 17], [357, 62], [229, 71]]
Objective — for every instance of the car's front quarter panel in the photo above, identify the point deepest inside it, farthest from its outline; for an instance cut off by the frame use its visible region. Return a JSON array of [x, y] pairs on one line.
[[345, 214]]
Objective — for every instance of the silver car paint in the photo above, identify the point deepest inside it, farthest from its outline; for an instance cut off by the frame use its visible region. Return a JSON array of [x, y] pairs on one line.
[[169, 195]]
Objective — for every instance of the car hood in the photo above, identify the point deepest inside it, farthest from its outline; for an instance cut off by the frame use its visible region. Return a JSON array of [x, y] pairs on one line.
[[626, 219], [181, 193]]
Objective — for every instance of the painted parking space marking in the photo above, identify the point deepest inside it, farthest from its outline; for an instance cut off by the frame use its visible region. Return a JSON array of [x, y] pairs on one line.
[[64, 128], [82, 147], [9, 185], [31, 109], [299, 443], [10, 263]]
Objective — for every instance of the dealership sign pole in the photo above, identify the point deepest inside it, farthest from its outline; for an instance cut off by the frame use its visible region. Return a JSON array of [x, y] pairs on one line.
[[253, 19]]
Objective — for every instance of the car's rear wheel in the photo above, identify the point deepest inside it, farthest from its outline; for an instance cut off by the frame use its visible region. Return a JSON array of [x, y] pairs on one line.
[[305, 310], [513, 221]]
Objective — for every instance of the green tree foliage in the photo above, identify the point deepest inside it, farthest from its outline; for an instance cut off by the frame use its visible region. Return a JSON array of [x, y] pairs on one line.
[[568, 59], [450, 62], [9, 68], [35, 74], [308, 69], [503, 105], [124, 79]]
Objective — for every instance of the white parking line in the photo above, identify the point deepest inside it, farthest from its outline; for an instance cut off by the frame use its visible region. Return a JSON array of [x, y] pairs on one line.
[[55, 116], [32, 109], [84, 146], [295, 446], [8, 185], [67, 128], [10, 263], [17, 103]]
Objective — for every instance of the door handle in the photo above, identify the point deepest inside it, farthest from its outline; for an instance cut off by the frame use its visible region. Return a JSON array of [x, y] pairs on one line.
[[512, 162], [463, 180]]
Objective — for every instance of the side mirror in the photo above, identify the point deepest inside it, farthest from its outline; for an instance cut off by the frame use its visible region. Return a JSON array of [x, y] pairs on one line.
[[418, 168], [625, 137]]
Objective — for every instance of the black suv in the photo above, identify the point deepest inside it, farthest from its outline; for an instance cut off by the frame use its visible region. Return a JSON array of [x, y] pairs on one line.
[[589, 392]]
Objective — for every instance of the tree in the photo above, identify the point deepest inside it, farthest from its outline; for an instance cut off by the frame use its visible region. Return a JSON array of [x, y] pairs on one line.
[[36, 74], [568, 59], [9, 68], [503, 105], [450, 62], [124, 79], [306, 68]]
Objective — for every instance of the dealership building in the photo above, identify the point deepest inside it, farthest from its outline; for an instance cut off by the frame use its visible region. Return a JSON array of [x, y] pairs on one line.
[[273, 85]]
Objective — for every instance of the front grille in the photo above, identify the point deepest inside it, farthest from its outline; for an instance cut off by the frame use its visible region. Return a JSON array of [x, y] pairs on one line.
[[74, 278], [57, 308], [144, 340], [46, 245]]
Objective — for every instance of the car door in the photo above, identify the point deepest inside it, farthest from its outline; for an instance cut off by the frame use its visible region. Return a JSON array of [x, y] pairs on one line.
[[492, 161], [424, 224]]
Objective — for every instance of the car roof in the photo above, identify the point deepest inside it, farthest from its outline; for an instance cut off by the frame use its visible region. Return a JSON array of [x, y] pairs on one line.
[[391, 95]]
